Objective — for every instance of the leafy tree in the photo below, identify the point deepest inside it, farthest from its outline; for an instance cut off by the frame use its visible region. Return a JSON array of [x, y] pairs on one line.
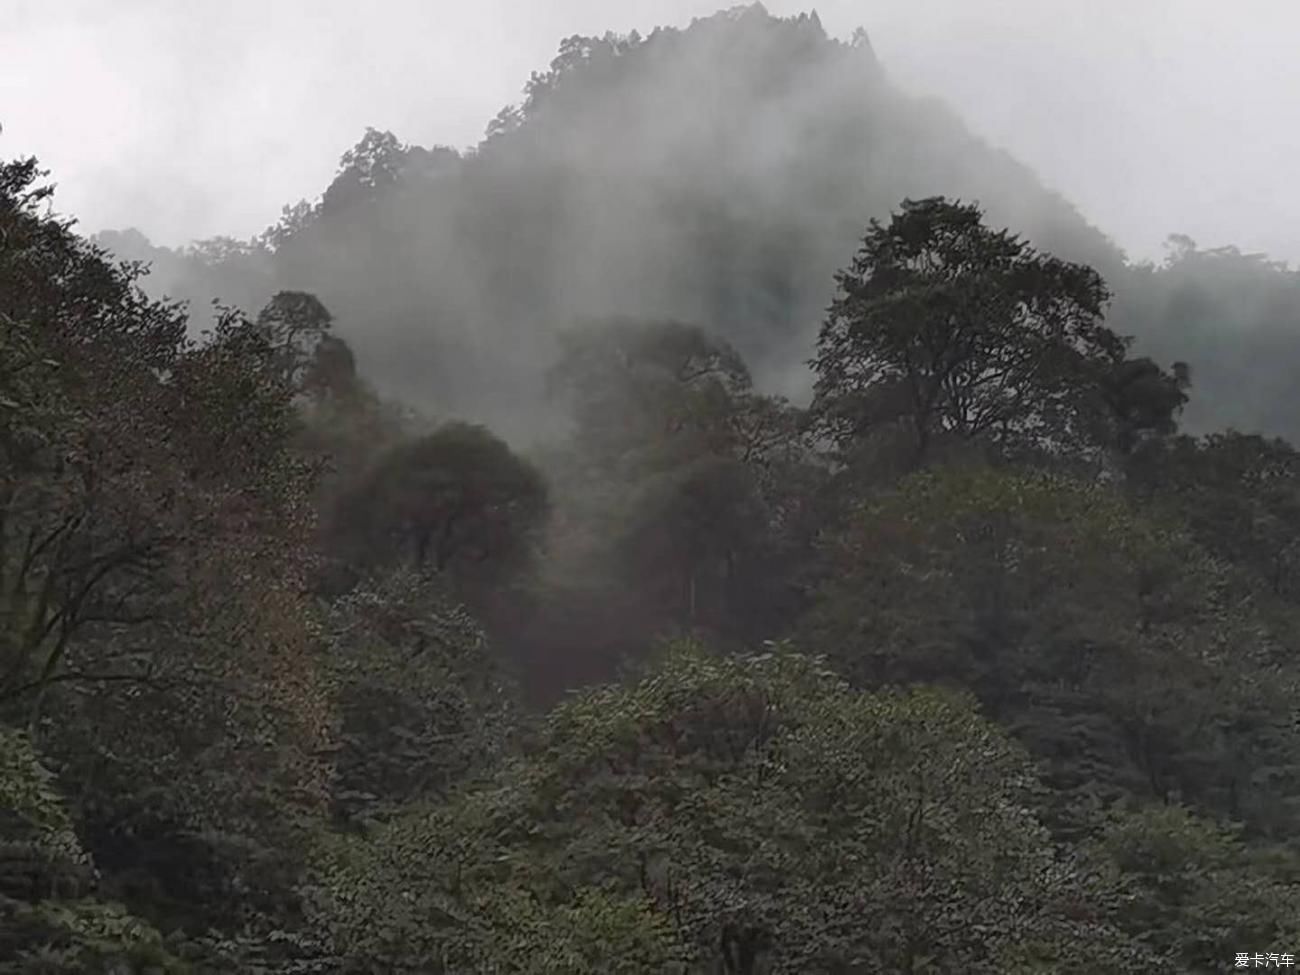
[[648, 394], [1061, 736], [745, 815], [294, 220], [343, 424], [51, 922], [1142, 402], [680, 492], [154, 521], [457, 499], [948, 330], [333, 370], [1200, 893], [297, 325], [128, 451], [374, 164], [421, 703], [688, 535], [237, 273]]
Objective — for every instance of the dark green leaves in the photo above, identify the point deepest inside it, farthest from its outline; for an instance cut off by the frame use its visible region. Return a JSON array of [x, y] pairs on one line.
[[751, 812], [943, 329]]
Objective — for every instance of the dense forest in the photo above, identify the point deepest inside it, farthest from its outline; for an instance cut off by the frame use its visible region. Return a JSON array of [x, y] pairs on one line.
[[730, 521]]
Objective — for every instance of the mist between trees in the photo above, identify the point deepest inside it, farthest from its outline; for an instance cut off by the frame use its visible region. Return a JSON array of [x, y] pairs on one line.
[[682, 534]]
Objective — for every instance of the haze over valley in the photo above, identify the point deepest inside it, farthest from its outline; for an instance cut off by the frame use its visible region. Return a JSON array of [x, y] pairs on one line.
[[775, 494]]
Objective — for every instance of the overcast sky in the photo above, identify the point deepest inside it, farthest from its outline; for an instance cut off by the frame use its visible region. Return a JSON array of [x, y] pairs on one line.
[[190, 119]]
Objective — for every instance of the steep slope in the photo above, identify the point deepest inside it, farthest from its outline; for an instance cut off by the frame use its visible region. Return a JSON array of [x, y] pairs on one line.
[[718, 174]]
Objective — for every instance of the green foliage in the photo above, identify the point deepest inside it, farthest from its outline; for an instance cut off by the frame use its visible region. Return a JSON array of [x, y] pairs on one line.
[[681, 485], [943, 329], [294, 751], [686, 537], [295, 324], [133, 456], [1142, 402], [83, 937], [153, 527], [420, 702], [37, 843], [1124, 655], [643, 388], [1200, 891], [456, 500], [1238, 494], [49, 922], [741, 812]]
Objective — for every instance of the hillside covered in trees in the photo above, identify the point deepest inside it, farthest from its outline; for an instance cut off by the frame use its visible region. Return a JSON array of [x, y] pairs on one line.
[[691, 541], [714, 174]]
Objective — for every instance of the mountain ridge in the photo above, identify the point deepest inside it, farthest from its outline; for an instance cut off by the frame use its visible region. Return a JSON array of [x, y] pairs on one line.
[[718, 173]]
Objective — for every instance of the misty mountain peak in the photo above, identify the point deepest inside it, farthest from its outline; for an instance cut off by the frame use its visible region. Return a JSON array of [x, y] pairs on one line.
[[714, 174]]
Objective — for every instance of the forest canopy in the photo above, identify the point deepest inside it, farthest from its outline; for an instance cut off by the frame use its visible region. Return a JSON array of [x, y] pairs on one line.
[[776, 536]]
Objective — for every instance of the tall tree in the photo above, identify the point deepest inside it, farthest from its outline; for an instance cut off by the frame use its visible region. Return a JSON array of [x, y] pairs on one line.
[[456, 500], [704, 471], [421, 703], [645, 389], [154, 529], [945, 329], [296, 324]]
